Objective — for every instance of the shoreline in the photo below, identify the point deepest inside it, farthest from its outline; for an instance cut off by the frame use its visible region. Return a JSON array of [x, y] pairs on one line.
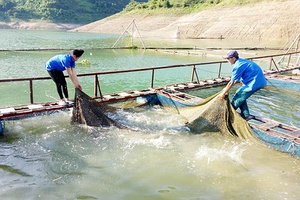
[[38, 25]]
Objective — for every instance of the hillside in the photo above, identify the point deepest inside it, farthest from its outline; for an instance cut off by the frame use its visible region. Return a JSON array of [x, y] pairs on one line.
[[58, 11], [271, 20]]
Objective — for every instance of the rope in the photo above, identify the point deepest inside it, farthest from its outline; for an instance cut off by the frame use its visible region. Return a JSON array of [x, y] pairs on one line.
[[276, 88], [292, 145], [173, 103]]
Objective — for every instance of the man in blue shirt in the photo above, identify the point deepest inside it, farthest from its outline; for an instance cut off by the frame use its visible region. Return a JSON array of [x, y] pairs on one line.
[[251, 77], [55, 67]]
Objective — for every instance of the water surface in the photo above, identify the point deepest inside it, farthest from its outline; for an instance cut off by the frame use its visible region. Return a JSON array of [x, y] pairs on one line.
[[45, 157]]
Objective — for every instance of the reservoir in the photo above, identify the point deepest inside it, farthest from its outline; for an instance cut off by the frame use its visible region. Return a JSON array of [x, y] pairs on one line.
[[45, 157]]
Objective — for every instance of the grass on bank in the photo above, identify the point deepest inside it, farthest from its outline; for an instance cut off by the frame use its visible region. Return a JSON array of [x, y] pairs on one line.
[[181, 7]]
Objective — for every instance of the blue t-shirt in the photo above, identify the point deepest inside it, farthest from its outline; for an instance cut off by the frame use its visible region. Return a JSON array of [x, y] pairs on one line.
[[249, 73], [60, 62]]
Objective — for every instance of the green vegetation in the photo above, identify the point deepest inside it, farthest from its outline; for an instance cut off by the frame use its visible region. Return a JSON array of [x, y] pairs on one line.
[[86, 11], [182, 5], [65, 11]]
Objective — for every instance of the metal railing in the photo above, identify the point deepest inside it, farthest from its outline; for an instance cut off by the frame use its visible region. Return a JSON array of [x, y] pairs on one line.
[[194, 73]]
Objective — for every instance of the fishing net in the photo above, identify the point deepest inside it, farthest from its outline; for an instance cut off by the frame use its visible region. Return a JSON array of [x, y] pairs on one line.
[[90, 112], [211, 115], [215, 115]]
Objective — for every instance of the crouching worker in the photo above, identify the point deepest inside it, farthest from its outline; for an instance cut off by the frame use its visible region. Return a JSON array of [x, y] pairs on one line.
[[251, 77], [55, 67]]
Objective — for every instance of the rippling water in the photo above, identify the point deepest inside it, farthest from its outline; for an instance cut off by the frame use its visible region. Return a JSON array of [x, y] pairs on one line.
[[45, 157]]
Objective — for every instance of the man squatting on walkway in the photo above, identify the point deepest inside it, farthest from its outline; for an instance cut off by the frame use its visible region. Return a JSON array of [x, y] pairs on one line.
[[251, 78], [55, 67]]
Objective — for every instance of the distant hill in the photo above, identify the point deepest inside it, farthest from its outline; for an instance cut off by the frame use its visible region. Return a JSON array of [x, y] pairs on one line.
[[86, 11], [261, 21], [60, 11]]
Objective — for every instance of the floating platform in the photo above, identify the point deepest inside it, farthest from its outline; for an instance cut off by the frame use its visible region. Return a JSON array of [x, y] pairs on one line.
[[17, 111], [279, 136], [286, 78], [14, 112]]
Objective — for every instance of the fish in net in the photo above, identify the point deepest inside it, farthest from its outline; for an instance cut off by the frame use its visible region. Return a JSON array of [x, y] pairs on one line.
[[90, 112]]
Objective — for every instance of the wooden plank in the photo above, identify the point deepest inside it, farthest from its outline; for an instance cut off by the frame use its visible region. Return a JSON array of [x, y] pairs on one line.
[[10, 110]]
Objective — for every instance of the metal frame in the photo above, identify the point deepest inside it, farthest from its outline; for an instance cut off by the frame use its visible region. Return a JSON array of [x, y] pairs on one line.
[[194, 73]]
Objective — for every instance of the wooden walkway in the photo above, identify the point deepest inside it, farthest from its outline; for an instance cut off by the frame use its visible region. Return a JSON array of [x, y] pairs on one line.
[[13, 112], [279, 136], [275, 128], [286, 78], [192, 84], [32, 109]]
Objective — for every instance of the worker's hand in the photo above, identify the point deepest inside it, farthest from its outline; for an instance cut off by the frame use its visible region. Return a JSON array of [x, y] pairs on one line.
[[78, 86], [222, 95]]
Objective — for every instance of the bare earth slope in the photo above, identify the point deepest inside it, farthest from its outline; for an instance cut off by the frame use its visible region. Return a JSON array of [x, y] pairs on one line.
[[264, 21]]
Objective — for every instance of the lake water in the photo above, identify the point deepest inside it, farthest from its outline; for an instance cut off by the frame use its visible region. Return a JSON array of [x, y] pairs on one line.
[[45, 157]]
